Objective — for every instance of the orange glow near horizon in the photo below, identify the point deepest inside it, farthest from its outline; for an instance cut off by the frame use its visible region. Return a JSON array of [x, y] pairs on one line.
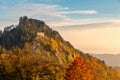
[[104, 40]]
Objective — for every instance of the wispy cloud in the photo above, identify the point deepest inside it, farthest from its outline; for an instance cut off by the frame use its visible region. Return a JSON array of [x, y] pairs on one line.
[[54, 15], [42, 11], [78, 12], [46, 12], [92, 25]]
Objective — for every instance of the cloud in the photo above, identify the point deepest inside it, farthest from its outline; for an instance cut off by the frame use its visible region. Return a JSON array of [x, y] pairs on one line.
[[87, 23], [90, 26], [45, 10], [78, 12], [39, 11], [42, 11], [54, 15], [7, 22]]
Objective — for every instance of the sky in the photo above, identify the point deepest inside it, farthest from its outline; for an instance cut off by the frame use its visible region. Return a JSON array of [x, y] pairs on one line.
[[92, 26]]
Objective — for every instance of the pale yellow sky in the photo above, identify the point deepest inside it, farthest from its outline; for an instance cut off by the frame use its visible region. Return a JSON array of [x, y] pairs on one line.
[[103, 38]]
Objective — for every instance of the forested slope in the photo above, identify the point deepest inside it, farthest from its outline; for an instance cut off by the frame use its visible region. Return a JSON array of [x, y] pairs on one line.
[[33, 51]]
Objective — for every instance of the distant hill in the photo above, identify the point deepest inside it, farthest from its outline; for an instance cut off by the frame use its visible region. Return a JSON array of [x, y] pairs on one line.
[[110, 59], [32, 50]]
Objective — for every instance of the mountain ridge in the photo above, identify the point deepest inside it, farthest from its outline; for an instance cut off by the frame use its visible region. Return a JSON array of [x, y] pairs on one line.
[[110, 59], [33, 46], [28, 27]]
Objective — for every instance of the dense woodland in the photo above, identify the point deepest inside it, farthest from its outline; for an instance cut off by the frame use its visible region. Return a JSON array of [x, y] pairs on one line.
[[27, 55]]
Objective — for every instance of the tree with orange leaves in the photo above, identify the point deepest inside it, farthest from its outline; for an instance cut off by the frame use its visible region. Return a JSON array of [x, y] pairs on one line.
[[79, 70]]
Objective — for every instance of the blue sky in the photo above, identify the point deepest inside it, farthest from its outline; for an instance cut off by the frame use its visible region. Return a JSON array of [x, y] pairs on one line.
[[59, 10], [90, 25]]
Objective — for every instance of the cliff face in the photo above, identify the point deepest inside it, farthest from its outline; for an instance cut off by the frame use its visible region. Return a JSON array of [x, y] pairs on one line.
[[34, 24], [26, 31]]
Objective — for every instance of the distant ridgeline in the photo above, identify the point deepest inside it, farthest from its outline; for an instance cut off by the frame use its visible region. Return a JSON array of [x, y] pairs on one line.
[[33, 51]]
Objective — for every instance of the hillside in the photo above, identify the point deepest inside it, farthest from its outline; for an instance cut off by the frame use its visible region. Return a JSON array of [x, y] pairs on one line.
[[33, 51]]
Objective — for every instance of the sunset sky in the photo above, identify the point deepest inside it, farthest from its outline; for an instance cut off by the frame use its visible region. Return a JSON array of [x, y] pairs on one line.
[[90, 25]]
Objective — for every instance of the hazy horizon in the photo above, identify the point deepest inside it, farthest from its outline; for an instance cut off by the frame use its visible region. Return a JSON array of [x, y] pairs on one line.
[[91, 26], [97, 38]]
